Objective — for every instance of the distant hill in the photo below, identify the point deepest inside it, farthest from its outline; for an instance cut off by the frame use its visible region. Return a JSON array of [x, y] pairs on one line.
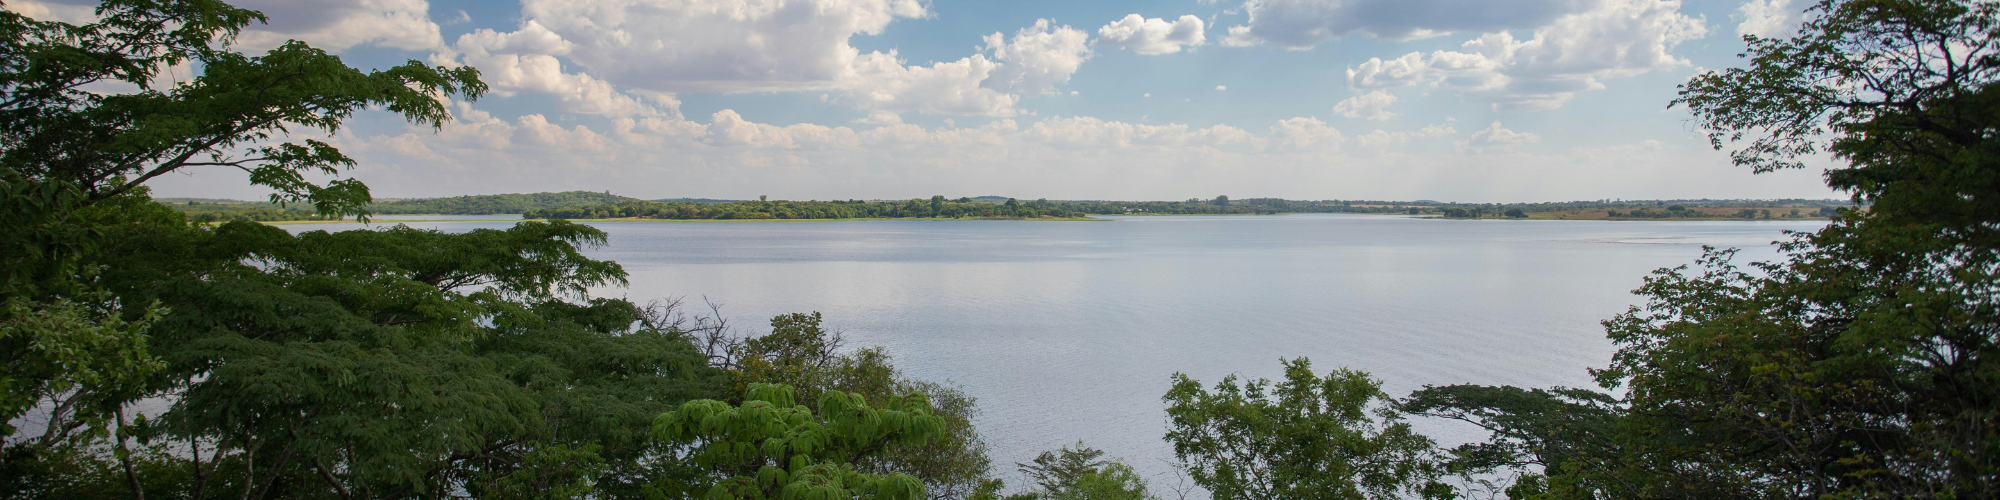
[[489, 204]]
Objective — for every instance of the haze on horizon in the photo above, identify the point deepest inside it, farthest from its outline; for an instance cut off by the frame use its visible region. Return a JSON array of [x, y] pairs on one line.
[[1457, 100]]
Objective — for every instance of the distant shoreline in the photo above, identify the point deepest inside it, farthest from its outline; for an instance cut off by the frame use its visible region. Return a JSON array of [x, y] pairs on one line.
[[1533, 216], [643, 219]]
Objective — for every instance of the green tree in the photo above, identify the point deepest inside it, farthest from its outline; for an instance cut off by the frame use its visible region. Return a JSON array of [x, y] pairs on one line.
[[401, 361], [1304, 437], [104, 145], [1544, 443], [68, 149], [801, 353], [1077, 473], [772, 447], [1902, 90], [371, 364], [1864, 366], [797, 353]]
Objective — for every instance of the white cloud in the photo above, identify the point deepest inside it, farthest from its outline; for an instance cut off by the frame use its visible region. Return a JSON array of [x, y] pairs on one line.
[[73, 11], [717, 45], [883, 84], [1304, 133], [1037, 58], [762, 48], [1035, 61], [525, 60], [1496, 137], [727, 127], [330, 25], [1372, 106], [536, 130], [1221, 87], [1376, 73], [1769, 18], [1619, 38], [733, 156], [1152, 36], [337, 25], [1302, 24], [1382, 138]]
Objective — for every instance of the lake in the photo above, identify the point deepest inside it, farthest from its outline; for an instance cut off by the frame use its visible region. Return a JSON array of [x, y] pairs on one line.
[[1070, 330]]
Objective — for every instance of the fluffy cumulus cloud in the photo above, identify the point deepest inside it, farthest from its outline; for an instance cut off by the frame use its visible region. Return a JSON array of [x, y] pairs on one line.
[[729, 155], [1373, 106], [1574, 53], [1037, 58], [883, 86], [1770, 18], [629, 57], [337, 25], [525, 61], [1153, 36], [1303, 134], [1302, 24], [716, 45], [332, 25], [1034, 61], [1498, 138]]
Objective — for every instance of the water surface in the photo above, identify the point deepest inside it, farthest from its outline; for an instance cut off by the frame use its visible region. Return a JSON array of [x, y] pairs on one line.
[[1070, 330]]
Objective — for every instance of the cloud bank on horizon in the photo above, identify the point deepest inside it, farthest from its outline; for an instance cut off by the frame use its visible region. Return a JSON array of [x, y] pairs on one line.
[[1474, 100]]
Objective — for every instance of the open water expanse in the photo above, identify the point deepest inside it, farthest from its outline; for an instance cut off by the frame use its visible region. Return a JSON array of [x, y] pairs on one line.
[[1069, 330]]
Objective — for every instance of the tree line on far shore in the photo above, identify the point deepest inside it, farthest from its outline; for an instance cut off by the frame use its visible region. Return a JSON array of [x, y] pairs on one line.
[[939, 207], [596, 205]]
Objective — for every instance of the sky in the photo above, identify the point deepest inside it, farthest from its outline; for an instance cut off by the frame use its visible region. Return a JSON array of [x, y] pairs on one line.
[[1454, 100]]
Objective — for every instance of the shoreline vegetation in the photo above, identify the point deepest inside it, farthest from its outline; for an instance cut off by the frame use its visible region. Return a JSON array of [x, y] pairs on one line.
[[594, 206]]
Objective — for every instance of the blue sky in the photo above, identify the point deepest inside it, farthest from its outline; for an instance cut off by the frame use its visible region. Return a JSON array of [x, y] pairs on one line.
[[1469, 100]]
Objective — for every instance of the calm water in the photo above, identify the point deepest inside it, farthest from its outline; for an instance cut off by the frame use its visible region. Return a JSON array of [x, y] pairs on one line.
[[1069, 330]]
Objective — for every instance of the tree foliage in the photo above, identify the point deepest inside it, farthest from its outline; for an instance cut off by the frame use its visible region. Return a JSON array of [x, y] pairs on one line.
[[1536, 435], [1077, 473], [394, 362], [772, 447], [235, 113], [800, 353], [935, 207], [1902, 90], [1304, 437], [1863, 366], [494, 203], [74, 158]]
